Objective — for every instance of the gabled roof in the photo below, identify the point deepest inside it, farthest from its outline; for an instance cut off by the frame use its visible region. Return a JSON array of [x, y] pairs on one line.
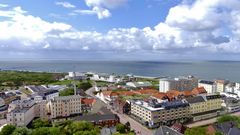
[[88, 101], [199, 90]]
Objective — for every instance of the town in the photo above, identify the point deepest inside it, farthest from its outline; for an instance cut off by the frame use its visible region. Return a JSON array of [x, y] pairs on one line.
[[120, 105]]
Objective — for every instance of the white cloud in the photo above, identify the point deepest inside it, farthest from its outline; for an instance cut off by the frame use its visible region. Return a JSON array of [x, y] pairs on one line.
[[100, 12], [3, 5], [190, 28], [100, 7], [65, 4]]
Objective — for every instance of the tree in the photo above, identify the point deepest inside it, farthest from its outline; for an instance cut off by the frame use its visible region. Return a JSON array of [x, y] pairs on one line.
[[22, 131], [195, 131], [7, 130], [128, 126], [67, 92], [37, 123], [47, 131], [85, 85], [226, 118], [121, 128]]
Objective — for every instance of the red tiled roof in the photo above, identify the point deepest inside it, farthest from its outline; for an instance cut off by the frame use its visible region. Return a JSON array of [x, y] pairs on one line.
[[199, 90], [211, 130], [159, 95], [147, 91], [88, 101]]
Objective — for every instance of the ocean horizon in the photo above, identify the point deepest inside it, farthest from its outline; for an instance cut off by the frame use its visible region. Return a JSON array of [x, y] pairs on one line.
[[209, 70]]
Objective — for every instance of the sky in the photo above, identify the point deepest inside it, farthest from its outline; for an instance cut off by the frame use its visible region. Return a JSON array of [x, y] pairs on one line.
[[120, 29]]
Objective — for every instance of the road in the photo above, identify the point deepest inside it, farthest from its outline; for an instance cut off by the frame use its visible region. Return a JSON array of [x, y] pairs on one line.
[[140, 129], [208, 121]]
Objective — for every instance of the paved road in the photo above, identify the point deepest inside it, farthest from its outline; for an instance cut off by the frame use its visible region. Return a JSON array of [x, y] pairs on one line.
[[208, 121]]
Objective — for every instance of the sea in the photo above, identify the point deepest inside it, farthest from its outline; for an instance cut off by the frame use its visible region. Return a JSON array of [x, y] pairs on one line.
[[209, 70]]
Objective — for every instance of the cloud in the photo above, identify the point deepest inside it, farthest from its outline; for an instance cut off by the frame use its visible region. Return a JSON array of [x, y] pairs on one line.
[[100, 12], [3, 5], [194, 29], [101, 7], [65, 4]]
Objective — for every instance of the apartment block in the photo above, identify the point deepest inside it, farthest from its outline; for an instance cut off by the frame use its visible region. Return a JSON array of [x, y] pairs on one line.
[[204, 106], [209, 86], [181, 84], [21, 112], [152, 113], [220, 85], [65, 106]]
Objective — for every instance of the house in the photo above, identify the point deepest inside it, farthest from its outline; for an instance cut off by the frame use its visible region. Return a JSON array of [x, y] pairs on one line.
[[165, 130], [226, 128], [122, 106], [87, 104], [108, 120]]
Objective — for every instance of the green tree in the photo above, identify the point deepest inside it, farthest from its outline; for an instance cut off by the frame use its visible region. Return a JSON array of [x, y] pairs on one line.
[[22, 131], [37, 123], [121, 128], [66, 92], [7, 130], [195, 131], [226, 118], [47, 131], [85, 85]]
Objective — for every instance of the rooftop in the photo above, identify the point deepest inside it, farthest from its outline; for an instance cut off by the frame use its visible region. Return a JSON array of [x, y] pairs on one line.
[[67, 97], [196, 99], [206, 82]]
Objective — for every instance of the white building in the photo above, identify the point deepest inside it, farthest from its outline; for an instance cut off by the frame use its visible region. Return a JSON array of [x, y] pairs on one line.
[[231, 104], [21, 112], [209, 86], [182, 83]]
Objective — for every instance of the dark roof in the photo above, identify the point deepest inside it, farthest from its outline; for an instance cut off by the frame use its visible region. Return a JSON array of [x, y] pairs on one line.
[[196, 99], [209, 97], [206, 82], [164, 130], [228, 127], [96, 117]]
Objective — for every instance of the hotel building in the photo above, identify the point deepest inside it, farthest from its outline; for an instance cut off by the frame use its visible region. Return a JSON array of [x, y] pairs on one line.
[[152, 113], [204, 106]]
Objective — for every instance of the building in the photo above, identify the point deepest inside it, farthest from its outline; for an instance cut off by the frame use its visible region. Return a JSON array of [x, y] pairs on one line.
[[45, 95], [76, 76], [139, 84], [231, 104], [87, 104], [108, 120], [9, 97], [225, 128], [3, 108], [204, 106], [165, 130], [181, 83], [21, 112], [220, 85], [209, 86], [153, 114], [65, 106], [122, 106]]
